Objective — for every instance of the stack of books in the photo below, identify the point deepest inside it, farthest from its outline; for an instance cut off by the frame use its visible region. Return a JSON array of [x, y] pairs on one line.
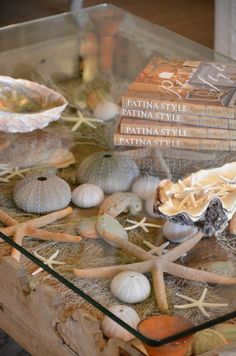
[[180, 104]]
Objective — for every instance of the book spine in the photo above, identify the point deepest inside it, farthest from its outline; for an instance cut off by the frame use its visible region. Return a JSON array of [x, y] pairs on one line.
[[146, 102], [186, 119], [175, 143], [152, 128]]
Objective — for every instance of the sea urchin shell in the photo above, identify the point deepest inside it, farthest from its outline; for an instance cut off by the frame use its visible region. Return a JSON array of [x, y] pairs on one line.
[[42, 193]]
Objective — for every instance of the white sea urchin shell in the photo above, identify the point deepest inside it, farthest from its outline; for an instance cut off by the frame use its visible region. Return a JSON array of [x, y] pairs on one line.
[[130, 287], [175, 232], [105, 110], [111, 329], [109, 171], [87, 195], [145, 186], [41, 193]]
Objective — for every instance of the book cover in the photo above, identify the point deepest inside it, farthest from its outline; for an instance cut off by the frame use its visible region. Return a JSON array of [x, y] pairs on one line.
[[193, 87], [153, 128], [180, 118]]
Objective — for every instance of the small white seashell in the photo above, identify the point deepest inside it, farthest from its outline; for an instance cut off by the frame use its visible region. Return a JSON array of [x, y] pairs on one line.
[[111, 329], [42, 193], [145, 186], [105, 110], [175, 232], [87, 195], [130, 287], [149, 207]]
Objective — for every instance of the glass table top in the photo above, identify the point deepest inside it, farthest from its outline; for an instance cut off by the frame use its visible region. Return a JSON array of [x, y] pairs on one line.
[[53, 51]]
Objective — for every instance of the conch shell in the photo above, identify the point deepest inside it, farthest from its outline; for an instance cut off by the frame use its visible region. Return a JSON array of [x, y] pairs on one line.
[[206, 198]]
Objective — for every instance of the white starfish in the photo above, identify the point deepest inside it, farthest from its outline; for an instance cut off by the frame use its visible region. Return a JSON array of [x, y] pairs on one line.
[[80, 119], [156, 250], [142, 223], [200, 304], [228, 180], [47, 261], [7, 174]]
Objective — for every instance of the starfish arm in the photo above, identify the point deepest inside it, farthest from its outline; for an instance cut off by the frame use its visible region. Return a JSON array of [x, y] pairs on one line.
[[59, 263], [203, 296], [159, 288], [185, 306], [42, 259], [194, 274], [7, 219], [77, 125], [90, 124], [49, 218], [128, 228], [152, 225], [203, 311], [185, 297], [18, 238], [51, 236], [215, 305], [112, 271], [54, 255], [38, 270], [184, 247], [143, 227]]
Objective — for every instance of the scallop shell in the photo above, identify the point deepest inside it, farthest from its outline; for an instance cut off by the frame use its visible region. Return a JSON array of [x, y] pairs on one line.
[[41, 193], [130, 287], [207, 197], [111, 329], [105, 110], [112, 173], [27, 105], [207, 340], [145, 186], [176, 232], [87, 195]]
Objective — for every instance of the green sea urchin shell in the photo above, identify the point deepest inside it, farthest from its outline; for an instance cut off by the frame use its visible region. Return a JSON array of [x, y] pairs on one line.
[[207, 340]]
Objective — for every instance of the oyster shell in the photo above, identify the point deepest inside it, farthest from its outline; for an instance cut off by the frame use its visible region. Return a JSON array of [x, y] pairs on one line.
[[206, 198], [26, 105]]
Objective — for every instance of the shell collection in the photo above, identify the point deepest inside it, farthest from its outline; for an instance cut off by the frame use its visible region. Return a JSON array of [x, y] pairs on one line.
[[87, 195], [40, 194]]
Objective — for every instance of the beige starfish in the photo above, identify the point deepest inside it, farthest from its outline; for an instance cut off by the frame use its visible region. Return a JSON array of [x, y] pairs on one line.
[[80, 119], [142, 223], [6, 175], [32, 228], [47, 261], [199, 303], [157, 265], [156, 250]]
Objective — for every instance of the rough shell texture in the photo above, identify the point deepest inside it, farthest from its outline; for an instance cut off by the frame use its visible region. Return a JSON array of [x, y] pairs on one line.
[[87, 195], [130, 287], [176, 232], [207, 197], [109, 171], [207, 340], [145, 186], [107, 226], [111, 329], [42, 193], [119, 202], [27, 105], [105, 110]]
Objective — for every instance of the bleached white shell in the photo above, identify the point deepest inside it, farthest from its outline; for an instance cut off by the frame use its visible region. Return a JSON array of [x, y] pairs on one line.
[[105, 110], [149, 206], [175, 232], [51, 105], [42, 193], [111, 329], [111, 172], [87, 195], [130, 287], [145, 186]]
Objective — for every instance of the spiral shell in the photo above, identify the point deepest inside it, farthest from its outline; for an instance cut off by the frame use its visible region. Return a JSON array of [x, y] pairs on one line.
[[87, 195], [130, 287], [41, 193], [111, 329], [109, 171], [145, 186], [175, 232]]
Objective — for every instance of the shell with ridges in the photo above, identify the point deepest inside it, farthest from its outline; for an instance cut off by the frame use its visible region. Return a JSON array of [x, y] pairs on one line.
[[145, 186], [130, 287], [109, 171], [175, 232], [120, 202], [87, 195], [111, 329], [42, 193], [207, 340]]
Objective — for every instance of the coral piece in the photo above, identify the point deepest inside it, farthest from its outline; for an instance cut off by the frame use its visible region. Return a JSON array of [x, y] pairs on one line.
[[142, 224], [119, 202], [109, 171], [207, 340], [26, 105], [178, 233], [206, 198], [80, 119], [42, 193], [156, 265], [47, 261], [111, 329], [87, 195], [200, 304], [145, 186], [130, 287], [32, 228], [156, 250]]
